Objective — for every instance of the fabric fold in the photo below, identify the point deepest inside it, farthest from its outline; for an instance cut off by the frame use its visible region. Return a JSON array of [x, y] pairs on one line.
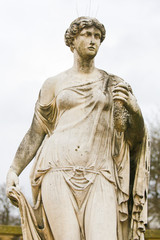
[[29, 219], [82, 147]]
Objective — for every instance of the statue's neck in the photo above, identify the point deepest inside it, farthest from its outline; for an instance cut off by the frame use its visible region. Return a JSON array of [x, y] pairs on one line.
[[82, 65]]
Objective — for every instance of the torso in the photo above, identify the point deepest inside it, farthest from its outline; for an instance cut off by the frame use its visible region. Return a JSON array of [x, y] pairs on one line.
[[53, 85], [83, 131]]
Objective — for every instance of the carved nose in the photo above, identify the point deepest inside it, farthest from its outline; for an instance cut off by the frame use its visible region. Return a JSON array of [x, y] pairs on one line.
[[92, 42]]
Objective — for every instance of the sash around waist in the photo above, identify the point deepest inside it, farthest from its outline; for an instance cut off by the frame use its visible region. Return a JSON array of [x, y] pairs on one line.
[[79, 174]]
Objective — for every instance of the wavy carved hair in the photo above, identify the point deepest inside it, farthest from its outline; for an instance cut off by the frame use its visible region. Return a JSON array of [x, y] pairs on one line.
[[78, 24]]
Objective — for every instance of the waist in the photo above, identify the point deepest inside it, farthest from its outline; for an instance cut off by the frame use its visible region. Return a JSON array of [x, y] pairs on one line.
[[77, 169], [79, 175]]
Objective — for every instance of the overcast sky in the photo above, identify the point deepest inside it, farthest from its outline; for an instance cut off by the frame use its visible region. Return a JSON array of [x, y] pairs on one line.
[[32, 49]]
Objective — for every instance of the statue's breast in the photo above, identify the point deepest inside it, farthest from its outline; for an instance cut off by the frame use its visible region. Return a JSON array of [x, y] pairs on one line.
[[68, 99], [85, 95]]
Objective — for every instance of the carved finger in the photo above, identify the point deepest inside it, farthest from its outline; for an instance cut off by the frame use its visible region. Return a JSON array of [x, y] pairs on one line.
[[14, 202], [121, 89], [11, 196], [120, 98], [120, 94], [123, 85]]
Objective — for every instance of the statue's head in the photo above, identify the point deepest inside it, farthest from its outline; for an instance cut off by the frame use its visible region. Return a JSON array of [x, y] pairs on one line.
[[78, 25]]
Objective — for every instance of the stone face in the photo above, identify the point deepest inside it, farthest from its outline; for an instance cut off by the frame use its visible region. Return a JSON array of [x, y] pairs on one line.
[[90, 146]]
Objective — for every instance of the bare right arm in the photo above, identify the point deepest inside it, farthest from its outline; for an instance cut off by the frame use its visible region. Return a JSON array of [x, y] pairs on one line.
[[31, 141], [26, 152], [33, 138]]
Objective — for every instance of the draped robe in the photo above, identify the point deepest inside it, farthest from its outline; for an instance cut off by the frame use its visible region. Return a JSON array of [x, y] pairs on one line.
[[82, 143]]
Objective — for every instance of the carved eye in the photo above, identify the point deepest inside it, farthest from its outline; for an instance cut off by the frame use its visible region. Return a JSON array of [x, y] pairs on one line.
[[88, 34], [97, 36]]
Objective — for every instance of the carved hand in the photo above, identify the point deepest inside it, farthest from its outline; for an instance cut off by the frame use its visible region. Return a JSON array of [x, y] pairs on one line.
[[122, 93], [12, 181]]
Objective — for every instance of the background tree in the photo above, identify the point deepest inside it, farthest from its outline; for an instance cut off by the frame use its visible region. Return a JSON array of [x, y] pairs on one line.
[[154, 187], [9, 214]]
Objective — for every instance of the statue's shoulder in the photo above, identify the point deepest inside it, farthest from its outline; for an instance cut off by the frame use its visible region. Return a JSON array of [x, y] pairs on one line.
[[115, 79], [48, 89]]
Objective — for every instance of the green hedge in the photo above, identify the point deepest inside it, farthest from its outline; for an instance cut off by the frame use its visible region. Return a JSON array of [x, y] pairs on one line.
[[153, 234]]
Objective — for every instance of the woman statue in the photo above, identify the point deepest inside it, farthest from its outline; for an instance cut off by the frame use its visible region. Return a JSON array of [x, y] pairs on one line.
[[90, 174]]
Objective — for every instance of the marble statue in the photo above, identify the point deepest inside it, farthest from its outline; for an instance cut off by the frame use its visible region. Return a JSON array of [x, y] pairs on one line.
[[90, 148]]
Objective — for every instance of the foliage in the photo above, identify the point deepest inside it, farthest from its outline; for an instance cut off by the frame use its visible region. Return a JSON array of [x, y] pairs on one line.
[[154, 188], [9, 215]]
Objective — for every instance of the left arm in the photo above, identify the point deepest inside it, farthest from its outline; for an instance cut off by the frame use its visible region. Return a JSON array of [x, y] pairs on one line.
[[135, 125]]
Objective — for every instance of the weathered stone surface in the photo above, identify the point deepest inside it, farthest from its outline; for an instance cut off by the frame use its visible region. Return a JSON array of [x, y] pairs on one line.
[[90, 175]]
